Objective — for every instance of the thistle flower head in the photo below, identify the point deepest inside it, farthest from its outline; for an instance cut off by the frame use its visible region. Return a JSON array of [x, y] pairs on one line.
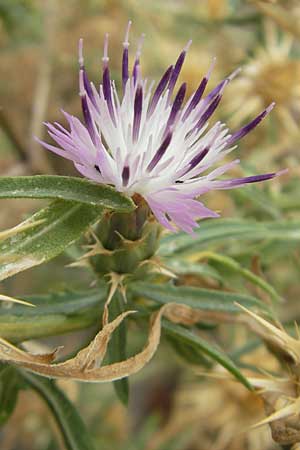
[[150, 141]]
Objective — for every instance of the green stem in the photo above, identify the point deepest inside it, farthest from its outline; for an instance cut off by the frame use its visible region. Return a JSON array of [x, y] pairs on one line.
[[117, 346], [72, 428]]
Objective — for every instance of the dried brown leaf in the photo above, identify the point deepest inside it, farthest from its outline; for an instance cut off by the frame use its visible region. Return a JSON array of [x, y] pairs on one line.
[[186, 315], [85, 366]]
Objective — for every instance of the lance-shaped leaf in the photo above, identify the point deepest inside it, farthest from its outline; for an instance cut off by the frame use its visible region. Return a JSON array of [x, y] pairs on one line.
[[181, 266], [9, 390], [213, 232], [186, 336], [66, 188], [73, 430], [203, 299], [55, 314], [233, 265], [62, 223]]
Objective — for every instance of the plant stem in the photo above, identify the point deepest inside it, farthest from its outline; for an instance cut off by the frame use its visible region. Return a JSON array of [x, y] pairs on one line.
[[74, 433]]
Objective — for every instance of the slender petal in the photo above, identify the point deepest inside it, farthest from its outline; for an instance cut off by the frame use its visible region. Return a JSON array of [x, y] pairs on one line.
[[137, 114], [160, 152], [125, 71]]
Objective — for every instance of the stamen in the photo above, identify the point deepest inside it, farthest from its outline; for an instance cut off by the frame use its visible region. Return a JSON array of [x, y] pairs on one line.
[[198, 158], [125, 175], [256, 178], [160, 152], [177, 69], [84, 82], [107, 92], [85, 85], [176, 105], [208, 112], [136, 65], [81, 82], [234, 74], [138, 75], [211, 67], [235, 182], [188, 44], [159, 90], [216, 91], [140, 45], [195, 161], [199, 92], [106, 80], [250, 126], [126, 38], [138, 104], [220, 87], [87, 117], [125, 71], [105, 57], [80, 53]]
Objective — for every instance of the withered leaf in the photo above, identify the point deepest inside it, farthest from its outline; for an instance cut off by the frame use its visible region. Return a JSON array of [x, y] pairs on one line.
[[85, 366]]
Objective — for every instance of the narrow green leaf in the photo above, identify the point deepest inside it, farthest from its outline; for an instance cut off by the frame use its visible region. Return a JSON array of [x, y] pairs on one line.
[[198, 298], [183, 267], [73, 430], [66, 188], [62, 223], [249, 347], [189, 354], [220, 231], [55, 314], [233, 265], [9, 389], [117, 346], [183, 335]]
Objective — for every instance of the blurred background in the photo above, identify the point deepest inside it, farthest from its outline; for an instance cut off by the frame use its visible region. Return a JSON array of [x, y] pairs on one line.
[[170, 409]]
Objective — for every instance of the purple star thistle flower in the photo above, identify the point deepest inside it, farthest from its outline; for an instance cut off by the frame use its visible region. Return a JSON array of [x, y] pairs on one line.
[[147, 143]]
